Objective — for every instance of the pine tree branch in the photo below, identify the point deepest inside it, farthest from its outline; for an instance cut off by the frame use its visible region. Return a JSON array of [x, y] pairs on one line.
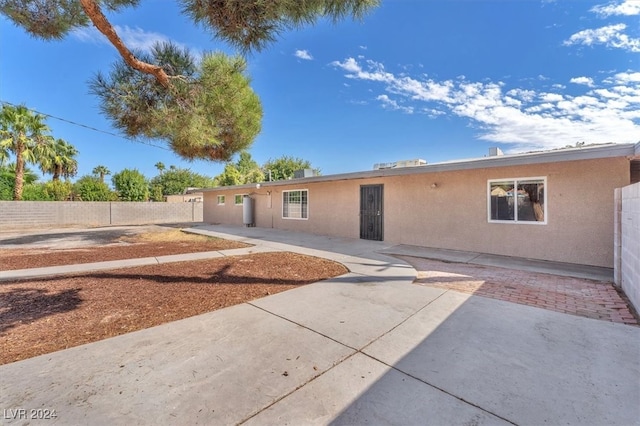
[[100, 21]]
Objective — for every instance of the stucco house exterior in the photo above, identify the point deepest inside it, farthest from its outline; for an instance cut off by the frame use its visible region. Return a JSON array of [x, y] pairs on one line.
[[553, 205]]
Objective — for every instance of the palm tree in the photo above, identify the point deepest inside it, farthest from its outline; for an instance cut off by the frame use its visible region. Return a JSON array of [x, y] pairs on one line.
[[101, 172], [160, 166], [24, 134], [59, 160]]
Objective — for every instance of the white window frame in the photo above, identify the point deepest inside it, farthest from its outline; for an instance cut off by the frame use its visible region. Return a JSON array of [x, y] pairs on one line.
[[285, 193], [515, 181], [235, 199], [221, 200]]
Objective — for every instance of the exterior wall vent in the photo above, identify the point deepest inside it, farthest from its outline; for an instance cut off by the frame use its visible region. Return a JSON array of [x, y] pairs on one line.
[[398, 164]]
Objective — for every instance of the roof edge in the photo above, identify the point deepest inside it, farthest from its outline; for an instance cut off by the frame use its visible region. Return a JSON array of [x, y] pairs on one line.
[[628, 150]]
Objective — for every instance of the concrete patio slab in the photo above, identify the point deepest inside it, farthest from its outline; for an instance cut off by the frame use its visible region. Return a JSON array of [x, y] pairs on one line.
[[362, 390], [217, 368], [527, 365], [348, 310]]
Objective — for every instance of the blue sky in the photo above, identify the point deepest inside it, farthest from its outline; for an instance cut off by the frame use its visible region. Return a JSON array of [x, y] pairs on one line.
[[432, 79]]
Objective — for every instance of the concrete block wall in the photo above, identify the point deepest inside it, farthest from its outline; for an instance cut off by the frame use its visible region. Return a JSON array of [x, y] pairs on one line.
[[628, 276], [38, 214]]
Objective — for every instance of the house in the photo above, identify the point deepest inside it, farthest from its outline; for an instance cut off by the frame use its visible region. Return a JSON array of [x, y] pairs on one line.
[[554, 205]]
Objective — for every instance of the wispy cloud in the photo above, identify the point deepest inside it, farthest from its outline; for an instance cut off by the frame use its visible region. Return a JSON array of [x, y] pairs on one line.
[[134, 38], [627, 7], [389, 103], [610, 35], [527, 119], [587, 81], [303, 54]]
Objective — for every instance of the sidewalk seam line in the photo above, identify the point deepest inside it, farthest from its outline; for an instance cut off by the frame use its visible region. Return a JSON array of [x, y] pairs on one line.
[[441, 390]]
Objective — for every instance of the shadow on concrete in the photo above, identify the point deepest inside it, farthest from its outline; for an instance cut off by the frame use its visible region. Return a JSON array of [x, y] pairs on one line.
[[221, 277], [24, 305], [474, 360]]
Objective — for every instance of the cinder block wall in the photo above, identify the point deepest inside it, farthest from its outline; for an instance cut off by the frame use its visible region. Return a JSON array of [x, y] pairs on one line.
[[38, 214], [629, 275]]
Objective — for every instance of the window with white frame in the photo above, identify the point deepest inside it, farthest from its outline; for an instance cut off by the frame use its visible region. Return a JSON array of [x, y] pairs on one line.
[[520, 200], [220, 200], [295, 204], [238, 199]]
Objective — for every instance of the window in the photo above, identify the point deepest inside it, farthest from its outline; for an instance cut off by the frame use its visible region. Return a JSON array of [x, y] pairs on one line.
[[518, 200], [238, 199], [295, 204], [220, 200]]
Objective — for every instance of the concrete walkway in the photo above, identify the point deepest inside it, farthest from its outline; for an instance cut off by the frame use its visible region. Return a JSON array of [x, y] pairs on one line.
[[366, 347]]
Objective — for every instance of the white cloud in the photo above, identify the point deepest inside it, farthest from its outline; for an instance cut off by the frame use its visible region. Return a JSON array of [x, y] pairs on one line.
[[551, 97], [355, 71], [133, 38], [587, 81], [627, 7], [626, 77], [303, 54], [527, 119], [610, 35], [389, 103]]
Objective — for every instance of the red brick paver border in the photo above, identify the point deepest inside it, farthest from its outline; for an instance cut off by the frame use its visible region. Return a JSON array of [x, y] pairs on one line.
[[575, 296]]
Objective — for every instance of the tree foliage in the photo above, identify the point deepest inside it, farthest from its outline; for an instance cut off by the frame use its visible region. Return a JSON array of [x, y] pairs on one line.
[[245, 170], [131, 185], [57, 190], [54, 190], [176, 181], [204, 110], [25, 135], [284, 167], [8, 180], [35, 192], [101, 172], [210, 112], [92, 188], [59, 160], [229, 177]]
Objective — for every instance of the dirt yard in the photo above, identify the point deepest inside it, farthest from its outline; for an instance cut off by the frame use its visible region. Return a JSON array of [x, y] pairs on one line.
[[50, 250], [45, 315]]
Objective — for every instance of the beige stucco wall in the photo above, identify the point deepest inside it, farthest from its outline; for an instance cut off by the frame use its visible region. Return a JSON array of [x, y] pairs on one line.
[[580, 210]]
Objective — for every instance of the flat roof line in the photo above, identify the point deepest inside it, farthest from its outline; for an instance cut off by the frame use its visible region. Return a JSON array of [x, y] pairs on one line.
[[629, 150]]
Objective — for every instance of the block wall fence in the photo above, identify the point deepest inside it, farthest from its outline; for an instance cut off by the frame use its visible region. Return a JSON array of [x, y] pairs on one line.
[[627, 242], [37, 214]]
